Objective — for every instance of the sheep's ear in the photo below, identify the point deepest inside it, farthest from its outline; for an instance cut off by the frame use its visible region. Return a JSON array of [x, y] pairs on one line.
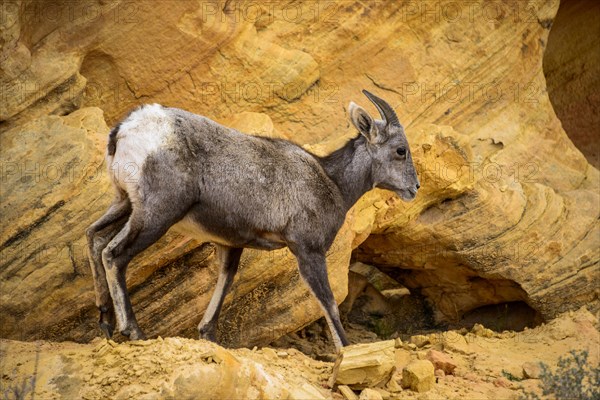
[[362, 121]]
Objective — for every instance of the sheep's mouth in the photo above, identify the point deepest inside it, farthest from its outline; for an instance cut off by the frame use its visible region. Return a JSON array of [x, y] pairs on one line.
[[404, 194], [407, 194]]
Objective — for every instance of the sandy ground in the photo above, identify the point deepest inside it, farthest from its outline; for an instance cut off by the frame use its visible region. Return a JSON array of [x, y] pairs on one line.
[[489, 365]]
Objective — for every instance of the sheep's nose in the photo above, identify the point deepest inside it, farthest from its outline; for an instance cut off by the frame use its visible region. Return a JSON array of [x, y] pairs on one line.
[[418, 185]]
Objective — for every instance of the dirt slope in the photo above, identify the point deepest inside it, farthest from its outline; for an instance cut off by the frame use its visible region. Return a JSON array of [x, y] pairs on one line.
[[176, 368]]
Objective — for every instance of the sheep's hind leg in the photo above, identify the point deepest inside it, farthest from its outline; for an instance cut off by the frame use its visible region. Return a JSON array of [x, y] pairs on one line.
[[142, 230], [98, 235], [229, 259], [115, 259]]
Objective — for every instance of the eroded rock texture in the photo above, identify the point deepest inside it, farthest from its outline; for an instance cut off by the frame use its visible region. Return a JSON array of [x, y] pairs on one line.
[[572, 69], [508, 209]]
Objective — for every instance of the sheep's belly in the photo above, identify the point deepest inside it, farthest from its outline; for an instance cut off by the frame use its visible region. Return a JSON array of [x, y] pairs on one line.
[[266, 241], [189, 227]]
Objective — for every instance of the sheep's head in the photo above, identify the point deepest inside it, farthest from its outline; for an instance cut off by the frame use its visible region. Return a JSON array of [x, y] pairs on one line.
[[391, 160]]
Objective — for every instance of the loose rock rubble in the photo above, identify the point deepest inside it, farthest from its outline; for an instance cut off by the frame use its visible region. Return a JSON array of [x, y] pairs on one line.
[[453, 365], [418, 376]]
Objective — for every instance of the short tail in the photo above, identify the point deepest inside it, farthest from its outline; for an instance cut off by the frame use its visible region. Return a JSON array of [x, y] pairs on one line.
[[112, 140]]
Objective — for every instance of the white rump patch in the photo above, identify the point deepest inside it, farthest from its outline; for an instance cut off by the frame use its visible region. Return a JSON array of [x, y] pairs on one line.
[[142, 133]]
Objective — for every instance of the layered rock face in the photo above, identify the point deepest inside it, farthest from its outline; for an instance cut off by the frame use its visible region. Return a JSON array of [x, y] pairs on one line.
[[508, 209], [572, 69]]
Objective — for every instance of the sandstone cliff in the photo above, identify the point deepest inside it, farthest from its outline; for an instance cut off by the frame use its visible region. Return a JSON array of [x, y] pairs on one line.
[[508, 210]]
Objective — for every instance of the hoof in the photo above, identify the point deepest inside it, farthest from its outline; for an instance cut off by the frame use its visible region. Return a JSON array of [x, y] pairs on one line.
[[107, 329], [207, 334], [135, 334], [107, 321]]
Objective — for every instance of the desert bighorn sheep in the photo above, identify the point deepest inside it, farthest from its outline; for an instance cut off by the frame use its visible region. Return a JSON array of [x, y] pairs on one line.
[[171, 167]]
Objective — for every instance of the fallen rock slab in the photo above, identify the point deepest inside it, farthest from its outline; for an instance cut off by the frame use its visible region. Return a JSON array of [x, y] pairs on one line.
[[365, 365], [347, 392], [420, 340], [418, 376], [442, 361], [370, 394]]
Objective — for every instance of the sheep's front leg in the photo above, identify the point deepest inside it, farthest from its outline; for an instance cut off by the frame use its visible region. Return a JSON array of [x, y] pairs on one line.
[[229, 260], [313, 269]]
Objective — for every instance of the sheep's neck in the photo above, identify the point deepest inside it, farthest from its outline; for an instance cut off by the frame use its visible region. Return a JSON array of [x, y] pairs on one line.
[[350, 169]]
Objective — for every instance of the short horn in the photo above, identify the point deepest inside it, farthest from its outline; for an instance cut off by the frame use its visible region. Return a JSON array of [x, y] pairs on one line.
[[387, 112]]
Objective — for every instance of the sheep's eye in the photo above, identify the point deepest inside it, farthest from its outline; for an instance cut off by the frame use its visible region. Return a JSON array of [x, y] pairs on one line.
[[401, 151]]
